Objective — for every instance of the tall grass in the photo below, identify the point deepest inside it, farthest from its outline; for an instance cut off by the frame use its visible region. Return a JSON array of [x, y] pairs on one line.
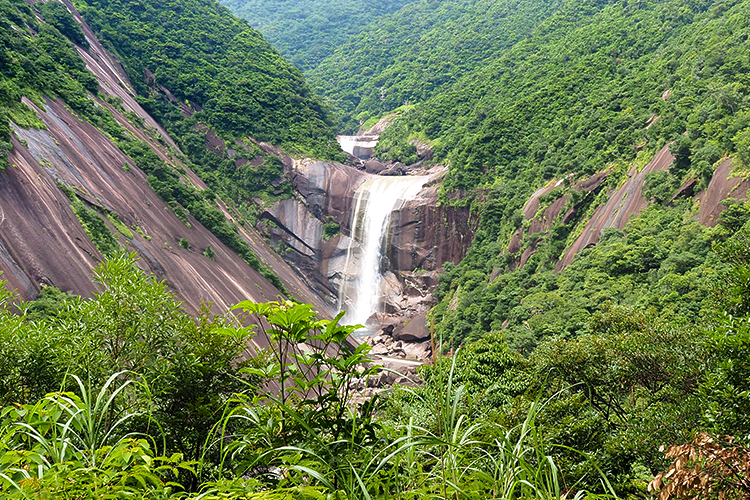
[[462, 459], [65, 427]]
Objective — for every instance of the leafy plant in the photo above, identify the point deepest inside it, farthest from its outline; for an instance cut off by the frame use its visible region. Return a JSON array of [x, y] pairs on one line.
[[330, 229], [705, 468]]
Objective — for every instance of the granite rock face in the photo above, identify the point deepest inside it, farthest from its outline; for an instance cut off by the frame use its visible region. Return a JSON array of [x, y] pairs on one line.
[[421, 237], [43, 243]]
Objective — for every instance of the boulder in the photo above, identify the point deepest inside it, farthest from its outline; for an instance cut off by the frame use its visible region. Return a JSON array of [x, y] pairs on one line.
[[374, 166], [415, 330], [379, 350]]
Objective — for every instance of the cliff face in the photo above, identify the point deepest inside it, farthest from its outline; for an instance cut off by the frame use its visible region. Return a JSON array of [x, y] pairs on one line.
[[46, 243], [620, 206], [422, 235], [42, 241]]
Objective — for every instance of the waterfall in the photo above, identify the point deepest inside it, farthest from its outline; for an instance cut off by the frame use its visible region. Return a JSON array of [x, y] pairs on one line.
[[375, 200], [360, 146]]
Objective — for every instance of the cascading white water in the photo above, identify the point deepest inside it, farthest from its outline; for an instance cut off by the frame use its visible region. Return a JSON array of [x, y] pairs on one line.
[[376, 199]]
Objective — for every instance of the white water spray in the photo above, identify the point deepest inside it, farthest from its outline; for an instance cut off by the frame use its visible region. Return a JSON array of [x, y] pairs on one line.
[[376, 199]]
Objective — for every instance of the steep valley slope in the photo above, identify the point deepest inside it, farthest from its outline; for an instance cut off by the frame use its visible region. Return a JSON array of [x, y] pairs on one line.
[[68, 179]]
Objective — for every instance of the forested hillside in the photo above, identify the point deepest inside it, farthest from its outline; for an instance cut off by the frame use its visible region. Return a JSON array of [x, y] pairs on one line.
[[589, 90], [307, 31], [215, 65], [617, 372], [414, 53], [596, 87]]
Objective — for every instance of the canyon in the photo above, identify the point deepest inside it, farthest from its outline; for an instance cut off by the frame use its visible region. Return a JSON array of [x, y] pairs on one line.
[[325, 241]]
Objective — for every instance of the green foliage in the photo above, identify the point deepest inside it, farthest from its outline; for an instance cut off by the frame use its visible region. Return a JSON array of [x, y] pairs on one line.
[[330, 229], [286, 407], [662, 260], [95, 227], [660, 186], [727, 388], [184, 243], [134, 324], [167, 184], [569, 88], [419, 51], [306, 32], [49, 304], [216, 64], [36, 59], [209, 252], [119, 225], [58, 16]]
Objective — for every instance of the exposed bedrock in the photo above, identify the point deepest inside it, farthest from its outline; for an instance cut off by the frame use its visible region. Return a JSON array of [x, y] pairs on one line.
[[43, 243], [620, 206], [421, 236]]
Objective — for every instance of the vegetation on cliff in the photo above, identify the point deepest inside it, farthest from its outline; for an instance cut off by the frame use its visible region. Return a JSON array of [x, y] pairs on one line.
[[215, 64], [218, 89], [421, 51], [563, 382], [126, 394], [590, 87], [33, 66], [38, 61]]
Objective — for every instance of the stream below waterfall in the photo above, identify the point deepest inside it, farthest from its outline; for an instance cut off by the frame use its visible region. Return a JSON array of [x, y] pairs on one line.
[[361, 291]]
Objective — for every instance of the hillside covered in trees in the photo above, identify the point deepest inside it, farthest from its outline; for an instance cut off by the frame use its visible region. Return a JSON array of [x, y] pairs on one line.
[[308, 31], [620, 371]]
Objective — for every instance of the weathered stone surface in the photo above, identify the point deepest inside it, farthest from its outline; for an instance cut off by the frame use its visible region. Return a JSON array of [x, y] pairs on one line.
[[415, 330], [42, 242], [375, 166], [295, 226], [424, 235], [327, 188], [722, 185], [622, 206], [392, 297]]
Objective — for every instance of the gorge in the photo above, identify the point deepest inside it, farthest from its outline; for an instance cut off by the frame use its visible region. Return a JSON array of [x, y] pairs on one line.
[[542, 202]]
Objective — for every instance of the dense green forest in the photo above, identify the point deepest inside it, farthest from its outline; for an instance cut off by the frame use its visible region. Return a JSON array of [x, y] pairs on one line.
[[215, 63], [307, 31], [577, 97], [583, 382], [127, 395], [413, 54]]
